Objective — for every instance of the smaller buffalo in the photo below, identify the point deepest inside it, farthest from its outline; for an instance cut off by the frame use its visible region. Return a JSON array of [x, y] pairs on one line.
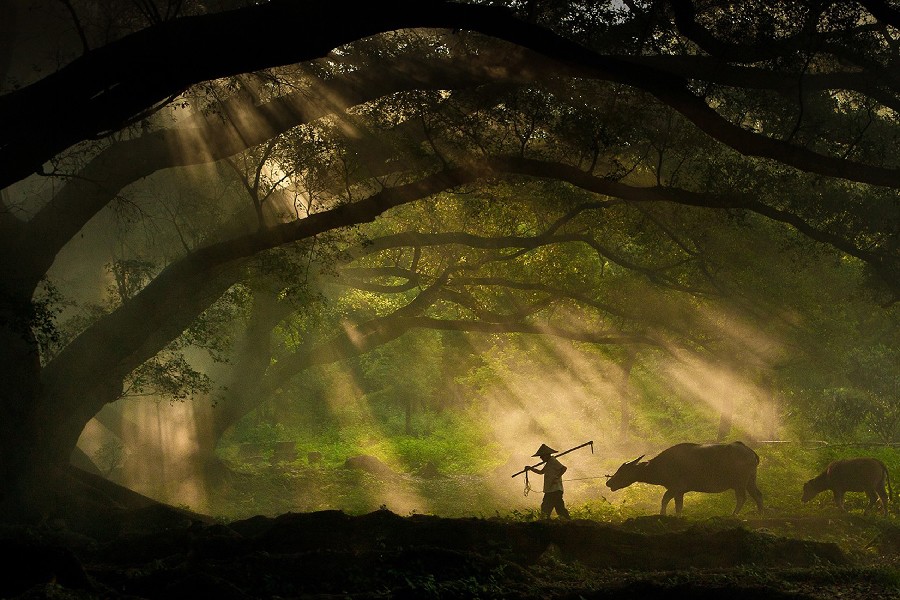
[[691, 467], [861, 474]]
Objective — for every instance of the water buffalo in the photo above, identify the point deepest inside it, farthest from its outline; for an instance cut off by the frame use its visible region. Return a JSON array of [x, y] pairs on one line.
[[861, 474], [695, 468]]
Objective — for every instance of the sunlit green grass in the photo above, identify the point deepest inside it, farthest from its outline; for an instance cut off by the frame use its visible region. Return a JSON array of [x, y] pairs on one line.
[[455, 442], [473, 480], [781, 475]]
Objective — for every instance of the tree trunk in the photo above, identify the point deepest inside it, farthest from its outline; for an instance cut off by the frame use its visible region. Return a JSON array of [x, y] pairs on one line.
[[245, 388], [251, 361], [30, 449], [47, 408]]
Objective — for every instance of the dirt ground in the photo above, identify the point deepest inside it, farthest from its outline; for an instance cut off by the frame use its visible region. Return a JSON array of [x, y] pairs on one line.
[[144, 549]]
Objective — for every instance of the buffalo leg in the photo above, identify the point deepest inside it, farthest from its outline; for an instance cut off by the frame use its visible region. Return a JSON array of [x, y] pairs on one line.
[[882, 493], [740, 496], [665, 502], [755, 493], [873, 500], [679, 503], [839, 499]]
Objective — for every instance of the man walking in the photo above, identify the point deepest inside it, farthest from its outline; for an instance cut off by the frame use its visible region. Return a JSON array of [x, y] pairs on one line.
[[553, 488]]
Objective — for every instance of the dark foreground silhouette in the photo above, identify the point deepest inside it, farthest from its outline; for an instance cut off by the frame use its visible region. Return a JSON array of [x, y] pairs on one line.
[[143, 549]]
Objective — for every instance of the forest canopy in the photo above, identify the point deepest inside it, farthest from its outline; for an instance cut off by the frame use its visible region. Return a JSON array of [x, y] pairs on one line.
[[655, 219]]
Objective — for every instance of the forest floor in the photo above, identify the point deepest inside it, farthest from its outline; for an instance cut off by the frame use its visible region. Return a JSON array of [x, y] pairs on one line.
[[144, 549]]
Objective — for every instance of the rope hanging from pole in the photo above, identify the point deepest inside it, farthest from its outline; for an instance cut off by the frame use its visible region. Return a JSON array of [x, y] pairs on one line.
[[526, 469]]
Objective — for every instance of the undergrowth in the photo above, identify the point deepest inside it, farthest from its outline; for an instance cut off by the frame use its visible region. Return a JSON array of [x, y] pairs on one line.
[[472, 478]]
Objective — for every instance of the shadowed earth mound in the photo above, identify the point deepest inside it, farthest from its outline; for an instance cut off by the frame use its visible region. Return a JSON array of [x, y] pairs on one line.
[[148, 550]]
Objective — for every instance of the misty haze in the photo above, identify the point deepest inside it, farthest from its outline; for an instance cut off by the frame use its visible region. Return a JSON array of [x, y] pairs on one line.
[[450, 299]]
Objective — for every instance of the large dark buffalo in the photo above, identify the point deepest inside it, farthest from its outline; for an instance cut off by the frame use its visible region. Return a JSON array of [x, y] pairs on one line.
[[695, 468], [861, 474]]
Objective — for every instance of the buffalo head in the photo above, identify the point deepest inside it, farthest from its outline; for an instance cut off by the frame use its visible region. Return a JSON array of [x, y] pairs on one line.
[[810, 491], [627, 474]]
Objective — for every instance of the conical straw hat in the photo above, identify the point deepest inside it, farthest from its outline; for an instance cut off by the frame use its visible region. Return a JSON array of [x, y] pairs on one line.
[[543, 450]]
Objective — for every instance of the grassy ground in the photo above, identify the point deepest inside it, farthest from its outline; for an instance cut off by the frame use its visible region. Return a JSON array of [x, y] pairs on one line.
[[263, 489]]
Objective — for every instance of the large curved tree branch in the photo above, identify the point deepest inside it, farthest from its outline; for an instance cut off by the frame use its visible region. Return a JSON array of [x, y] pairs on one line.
[[202, 140], [130, 74], [124, 339], [104, 88], [128, 161], [886, 264], [245, 123], [883, 11], [121, 341], [708, 69], [379, 331], [685, 13]]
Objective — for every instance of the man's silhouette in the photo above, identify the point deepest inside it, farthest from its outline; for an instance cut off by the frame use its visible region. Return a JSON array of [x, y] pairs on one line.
[[553, 488]]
